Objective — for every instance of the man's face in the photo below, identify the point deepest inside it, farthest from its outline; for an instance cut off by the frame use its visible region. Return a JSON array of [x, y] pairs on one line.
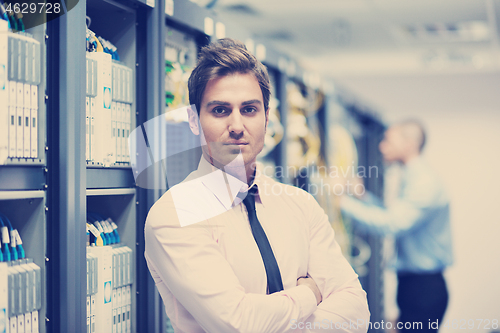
[[394, 146], [233, 119]]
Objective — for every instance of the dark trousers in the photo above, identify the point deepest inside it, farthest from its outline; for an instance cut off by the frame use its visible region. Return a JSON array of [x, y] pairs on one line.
[[422, 298]]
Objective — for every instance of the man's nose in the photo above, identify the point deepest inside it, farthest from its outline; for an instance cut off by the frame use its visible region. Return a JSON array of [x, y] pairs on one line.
[[235, 125]]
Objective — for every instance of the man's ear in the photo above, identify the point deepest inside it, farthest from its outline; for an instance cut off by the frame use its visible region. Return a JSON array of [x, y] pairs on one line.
[[194, 123]]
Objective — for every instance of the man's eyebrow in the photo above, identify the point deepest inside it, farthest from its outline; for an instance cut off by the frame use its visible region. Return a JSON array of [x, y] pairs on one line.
[[218, 103], [253, 101]]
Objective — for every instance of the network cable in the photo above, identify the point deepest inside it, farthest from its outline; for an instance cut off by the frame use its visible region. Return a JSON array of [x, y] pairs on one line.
[[12, 21], [3, 250], [109, 230], [105, 235], [3, 13], [19, 245], [5, 240], [20, 23], [98, 227], [13, 246], [95, 220], [109, 48], [99, 47], [115, 229], [95, 235], [93, 44], [101, 228], [108, 226]]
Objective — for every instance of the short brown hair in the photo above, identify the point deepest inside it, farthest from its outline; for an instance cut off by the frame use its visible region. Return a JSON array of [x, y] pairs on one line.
[[223, 57]]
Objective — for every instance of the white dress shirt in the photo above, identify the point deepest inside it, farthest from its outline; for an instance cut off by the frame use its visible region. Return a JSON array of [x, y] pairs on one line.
[[208, 269]]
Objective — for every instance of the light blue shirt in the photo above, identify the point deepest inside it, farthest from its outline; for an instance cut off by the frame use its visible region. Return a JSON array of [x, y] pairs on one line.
[[419, 218]]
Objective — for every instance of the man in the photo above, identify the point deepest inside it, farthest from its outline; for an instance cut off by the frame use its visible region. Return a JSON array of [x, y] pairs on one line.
[[231, 250], [419, 218]]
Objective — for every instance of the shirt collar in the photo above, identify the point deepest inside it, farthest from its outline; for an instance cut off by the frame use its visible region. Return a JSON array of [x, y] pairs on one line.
[[260, 182], [226, 187]]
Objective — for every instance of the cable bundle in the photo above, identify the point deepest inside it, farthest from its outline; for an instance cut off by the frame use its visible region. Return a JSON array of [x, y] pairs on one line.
[[12, 244], [101, 231], [98, 44], [15, 19]]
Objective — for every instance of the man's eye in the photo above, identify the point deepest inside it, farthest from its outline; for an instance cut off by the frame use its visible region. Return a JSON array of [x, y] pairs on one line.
[[249, 110], [219, 111]]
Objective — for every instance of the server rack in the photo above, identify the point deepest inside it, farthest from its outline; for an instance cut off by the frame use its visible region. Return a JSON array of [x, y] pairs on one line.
[[369, 156], [366, 250], [23, 184], [277, 156], [182, 148], [77, 186]]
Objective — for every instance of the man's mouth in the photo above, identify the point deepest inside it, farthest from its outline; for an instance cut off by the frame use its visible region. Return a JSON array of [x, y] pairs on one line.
[[236, 143]]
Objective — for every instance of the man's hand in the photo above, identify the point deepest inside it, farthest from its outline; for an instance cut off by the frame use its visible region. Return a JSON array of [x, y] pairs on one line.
[[308, 281]]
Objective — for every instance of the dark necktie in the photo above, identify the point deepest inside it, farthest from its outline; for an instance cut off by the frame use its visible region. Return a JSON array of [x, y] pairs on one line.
[[274, 282]]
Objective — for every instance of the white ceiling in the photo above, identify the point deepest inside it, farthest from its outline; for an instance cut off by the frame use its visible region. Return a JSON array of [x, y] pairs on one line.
[[360, 37], [424, 96]]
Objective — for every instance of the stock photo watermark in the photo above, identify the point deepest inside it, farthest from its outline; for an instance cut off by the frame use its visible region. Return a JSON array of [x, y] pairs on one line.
[[455, 324]]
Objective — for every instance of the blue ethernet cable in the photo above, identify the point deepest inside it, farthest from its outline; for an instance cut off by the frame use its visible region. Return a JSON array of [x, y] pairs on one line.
[[104, 235], [107, 231], [117, 235], [13, 249], [110, 230], [13, 246], [99, 228], [12, 20], [95, 222], [20, 23], [97, 239], [114, 52], [113, 228], [5, 240], [1, 246], [19, 245], [88, 235], [93, 240], [104, 44], [3, 13]]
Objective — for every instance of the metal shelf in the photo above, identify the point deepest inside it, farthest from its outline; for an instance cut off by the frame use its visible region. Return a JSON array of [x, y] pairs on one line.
[[117, 191], [104, 178], [15, 195], [22, 177], [21, 161]]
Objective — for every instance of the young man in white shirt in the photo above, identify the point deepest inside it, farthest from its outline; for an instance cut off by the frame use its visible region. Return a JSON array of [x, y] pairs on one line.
[[222, 264]]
